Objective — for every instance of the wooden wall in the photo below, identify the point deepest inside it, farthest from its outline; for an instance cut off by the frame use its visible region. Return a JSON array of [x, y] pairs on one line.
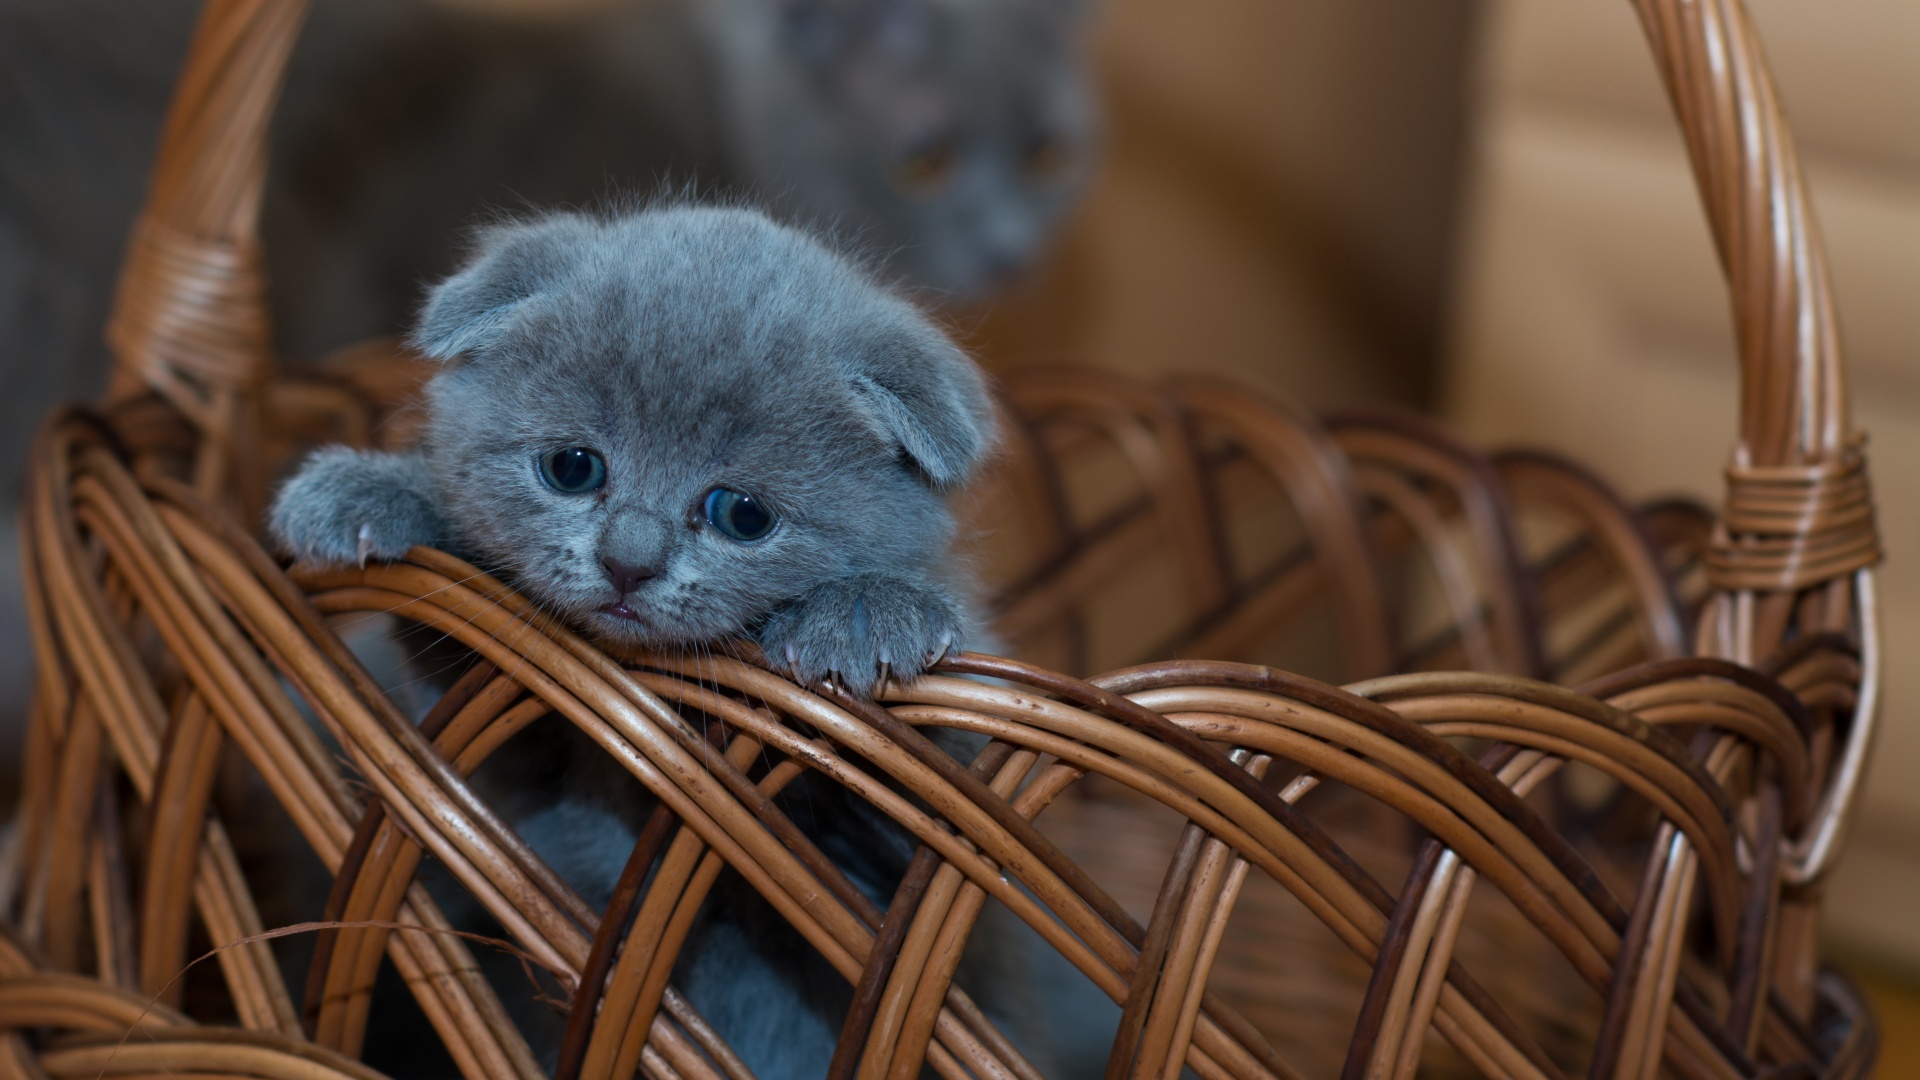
[[1276, 201]]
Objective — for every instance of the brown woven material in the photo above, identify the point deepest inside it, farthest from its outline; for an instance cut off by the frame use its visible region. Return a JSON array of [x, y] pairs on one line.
[[1795, 525], [1597, 852], [1795, 443], [193, 309], [190, 319]]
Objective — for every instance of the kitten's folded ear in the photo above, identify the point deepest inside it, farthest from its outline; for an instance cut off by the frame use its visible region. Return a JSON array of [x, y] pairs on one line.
[[511, 265], [928, 398]]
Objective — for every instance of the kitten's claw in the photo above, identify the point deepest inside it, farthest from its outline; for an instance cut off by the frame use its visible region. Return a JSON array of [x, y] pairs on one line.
[[793, 663], [351, 507], [946, 643], [865, 632]]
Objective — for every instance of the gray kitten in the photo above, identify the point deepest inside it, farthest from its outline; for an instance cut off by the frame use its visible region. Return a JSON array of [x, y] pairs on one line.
[[671, 427], [677, 426]]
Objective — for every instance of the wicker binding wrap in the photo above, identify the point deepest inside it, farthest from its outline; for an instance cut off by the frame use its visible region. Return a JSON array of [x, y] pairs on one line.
[[172, 648]]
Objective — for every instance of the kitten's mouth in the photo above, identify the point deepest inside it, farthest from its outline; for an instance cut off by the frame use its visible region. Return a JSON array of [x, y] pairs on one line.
[[619, 610]]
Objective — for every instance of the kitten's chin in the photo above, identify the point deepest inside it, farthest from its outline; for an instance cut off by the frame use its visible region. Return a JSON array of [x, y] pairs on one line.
[[622, 624], [619, 622]]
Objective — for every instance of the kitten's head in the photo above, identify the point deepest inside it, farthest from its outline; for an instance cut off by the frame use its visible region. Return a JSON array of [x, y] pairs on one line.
[[953, 132], [666, 424]]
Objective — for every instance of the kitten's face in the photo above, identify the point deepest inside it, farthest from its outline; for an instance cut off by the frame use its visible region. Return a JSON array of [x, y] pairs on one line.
[[664, 444], [952, 133], [655, 514]]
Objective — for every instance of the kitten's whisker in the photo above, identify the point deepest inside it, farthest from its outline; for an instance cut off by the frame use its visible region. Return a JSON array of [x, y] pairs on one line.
[[524, 624], [491, 598], [413, 658], [394, 610]]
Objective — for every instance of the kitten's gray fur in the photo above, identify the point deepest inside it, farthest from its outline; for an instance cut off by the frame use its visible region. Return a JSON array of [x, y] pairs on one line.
[[694, 348]]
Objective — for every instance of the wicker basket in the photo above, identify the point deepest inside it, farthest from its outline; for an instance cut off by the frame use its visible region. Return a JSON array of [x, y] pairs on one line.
[[1726, 673]]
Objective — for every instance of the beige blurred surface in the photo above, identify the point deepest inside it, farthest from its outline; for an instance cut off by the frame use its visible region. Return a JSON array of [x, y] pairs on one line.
[[1591, 316], [1275, 203]]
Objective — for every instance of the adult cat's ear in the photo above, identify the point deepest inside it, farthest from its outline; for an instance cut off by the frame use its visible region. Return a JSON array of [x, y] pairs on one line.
[[924, 395], [511, 265], [831, 33]]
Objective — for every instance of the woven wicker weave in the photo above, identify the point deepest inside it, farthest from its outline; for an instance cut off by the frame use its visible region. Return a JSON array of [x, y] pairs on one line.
[[1725, 674]]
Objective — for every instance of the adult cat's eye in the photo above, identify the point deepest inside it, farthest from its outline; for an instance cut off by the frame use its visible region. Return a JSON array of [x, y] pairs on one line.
[[574, 470], [738, 514], [925, 164], [1047, 156]]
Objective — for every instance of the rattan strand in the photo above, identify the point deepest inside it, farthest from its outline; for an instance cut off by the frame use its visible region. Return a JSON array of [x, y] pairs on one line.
[[1794, 526]]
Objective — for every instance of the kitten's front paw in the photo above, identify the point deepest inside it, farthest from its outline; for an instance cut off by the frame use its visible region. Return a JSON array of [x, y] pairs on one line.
[[858, 630], [346, 506]]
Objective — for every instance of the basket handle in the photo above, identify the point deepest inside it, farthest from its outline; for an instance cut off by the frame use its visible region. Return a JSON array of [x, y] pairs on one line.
[[190, 317], [1798, 512], [1796, 538]]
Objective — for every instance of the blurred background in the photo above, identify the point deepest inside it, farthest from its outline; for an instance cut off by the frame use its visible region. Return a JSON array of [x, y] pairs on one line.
[[1476, 208]]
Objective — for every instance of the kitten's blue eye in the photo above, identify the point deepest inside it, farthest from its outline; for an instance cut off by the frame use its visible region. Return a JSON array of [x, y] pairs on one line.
[[737, 514], [574, 470]]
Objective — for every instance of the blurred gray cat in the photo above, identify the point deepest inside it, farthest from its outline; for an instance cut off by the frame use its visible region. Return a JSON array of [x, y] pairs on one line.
[[950, 135], [954, 131]]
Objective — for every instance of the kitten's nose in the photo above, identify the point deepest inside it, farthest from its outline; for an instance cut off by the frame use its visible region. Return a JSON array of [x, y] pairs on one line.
[[625, 576]]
